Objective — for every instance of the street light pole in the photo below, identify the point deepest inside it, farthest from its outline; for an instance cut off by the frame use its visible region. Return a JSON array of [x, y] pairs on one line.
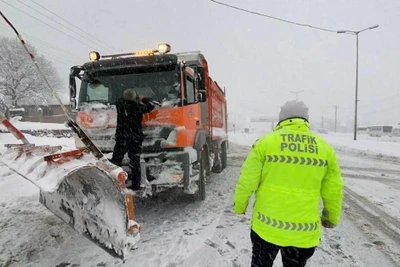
[[297, 94], [356, 33], [356, 94]]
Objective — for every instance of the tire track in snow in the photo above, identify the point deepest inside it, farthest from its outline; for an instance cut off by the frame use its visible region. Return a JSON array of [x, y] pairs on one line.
[[174, 228], [366, 154], [224, 246], [372, 170], [382, 221], [383, 217], [391, 182]]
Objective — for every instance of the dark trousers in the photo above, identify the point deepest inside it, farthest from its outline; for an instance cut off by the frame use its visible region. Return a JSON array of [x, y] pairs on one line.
[[264, 253], [134, 149]]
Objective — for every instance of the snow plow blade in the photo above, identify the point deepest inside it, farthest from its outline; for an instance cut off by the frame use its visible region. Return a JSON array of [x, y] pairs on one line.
[[86, 193], [93, 205]]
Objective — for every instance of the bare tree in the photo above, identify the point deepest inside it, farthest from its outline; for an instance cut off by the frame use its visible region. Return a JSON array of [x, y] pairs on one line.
[[20, 81]]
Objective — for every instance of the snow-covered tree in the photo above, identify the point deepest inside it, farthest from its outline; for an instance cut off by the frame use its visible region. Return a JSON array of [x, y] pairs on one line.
[[20, 81]]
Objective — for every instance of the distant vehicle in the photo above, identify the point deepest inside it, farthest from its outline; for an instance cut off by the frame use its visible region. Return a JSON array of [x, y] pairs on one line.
[[322, 131], [16, 112], [362, 130], [378, 131], [396, 132]]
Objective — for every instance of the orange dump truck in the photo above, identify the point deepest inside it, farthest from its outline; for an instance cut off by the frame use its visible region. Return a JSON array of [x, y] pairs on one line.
[[185, 136]]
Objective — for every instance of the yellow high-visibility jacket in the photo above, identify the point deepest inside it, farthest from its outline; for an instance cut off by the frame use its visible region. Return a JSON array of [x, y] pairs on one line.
[[290, 170]]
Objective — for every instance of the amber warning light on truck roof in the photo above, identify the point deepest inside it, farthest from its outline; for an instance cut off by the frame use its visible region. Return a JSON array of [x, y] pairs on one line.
[[163, 48], [94, 56]]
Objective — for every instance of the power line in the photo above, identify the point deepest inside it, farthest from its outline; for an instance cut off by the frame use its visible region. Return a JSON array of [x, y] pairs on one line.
[[57, 56], [275, 18], [88, 45], [72, 30], [114, 49], [43, 43], [53, 57], [60, 60]]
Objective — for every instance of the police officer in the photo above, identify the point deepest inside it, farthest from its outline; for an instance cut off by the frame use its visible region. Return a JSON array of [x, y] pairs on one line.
[[289, 170], [129, 135]]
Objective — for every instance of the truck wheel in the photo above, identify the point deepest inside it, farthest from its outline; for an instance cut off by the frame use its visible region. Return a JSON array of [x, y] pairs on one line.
[[201, 182], [224, 155], [207, 167], [220, 165]]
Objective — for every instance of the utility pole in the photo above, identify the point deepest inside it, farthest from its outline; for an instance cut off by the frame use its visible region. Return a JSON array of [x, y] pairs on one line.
[[322, 122], [234, 124], [297, 94], [336, 108]]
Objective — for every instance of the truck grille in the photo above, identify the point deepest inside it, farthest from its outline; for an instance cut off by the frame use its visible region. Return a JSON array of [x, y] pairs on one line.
[[154, 136]]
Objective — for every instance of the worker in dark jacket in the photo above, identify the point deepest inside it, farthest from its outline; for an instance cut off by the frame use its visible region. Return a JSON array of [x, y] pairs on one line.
[[129, 135]]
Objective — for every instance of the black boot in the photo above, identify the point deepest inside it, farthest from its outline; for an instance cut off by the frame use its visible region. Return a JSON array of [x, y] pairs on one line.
[[135, 182]]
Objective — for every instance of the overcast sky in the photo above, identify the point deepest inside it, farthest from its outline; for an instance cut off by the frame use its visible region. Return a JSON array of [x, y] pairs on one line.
[[258, 60]]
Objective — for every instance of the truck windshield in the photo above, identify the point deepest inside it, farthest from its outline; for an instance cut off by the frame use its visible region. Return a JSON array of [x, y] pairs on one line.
[[108, 87]]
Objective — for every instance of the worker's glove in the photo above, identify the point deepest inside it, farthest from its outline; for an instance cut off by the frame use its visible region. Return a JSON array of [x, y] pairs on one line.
[[149, 100], [327, 224], [155, 103]]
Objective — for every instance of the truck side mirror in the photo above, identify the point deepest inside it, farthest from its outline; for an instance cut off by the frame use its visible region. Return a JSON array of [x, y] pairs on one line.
[[74, 71], [72, 87], [73, 103], [201, 96], [199, 78]]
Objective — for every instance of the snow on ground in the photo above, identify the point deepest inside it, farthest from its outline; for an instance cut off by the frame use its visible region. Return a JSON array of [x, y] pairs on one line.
[[178, 232]]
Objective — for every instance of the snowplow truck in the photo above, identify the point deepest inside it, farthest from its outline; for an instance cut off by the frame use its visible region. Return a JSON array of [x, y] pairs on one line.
[[185, 136]]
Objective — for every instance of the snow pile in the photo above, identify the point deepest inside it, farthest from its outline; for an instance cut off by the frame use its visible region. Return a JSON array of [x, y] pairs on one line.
[[365, 145]]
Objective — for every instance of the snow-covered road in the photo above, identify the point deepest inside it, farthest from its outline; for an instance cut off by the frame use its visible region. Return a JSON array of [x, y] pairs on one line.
[[177, 232]]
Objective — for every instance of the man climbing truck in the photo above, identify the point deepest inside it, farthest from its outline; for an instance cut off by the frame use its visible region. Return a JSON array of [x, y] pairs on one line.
[[185, 137]]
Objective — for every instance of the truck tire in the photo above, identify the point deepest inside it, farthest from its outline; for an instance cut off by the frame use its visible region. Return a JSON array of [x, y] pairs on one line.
[[224, 155], [201, 182], [221, 164], [206, 164]]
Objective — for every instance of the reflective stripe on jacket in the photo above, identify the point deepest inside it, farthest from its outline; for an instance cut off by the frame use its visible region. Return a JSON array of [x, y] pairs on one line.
[[290, 170]]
